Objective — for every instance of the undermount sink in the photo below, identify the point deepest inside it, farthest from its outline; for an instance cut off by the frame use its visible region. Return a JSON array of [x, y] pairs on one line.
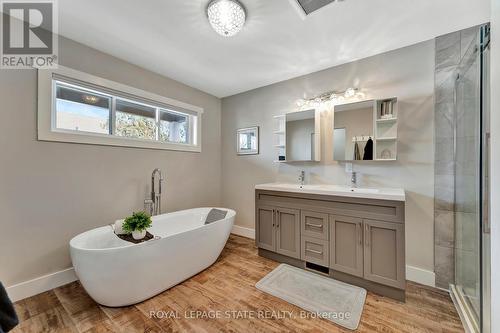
[[337, 190], [362, 190]]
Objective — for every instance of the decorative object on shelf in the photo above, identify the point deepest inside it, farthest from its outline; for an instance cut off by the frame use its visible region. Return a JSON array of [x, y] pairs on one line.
[[386, 110], [332, 97], [386, 154], [247, 141], [226, 17], [118, 227], [137, 224]]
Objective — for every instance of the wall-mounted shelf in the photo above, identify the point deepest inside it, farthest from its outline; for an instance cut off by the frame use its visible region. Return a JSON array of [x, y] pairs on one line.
[[387, 120], [279, 133], [387, 139], [386, 130]]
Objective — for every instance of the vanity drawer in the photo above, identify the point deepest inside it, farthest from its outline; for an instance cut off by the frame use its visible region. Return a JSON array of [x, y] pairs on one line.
[[314, 224], [314, 250]]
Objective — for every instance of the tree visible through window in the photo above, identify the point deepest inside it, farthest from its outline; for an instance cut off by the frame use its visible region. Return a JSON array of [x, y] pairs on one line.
[[173, 127], [135, 120]]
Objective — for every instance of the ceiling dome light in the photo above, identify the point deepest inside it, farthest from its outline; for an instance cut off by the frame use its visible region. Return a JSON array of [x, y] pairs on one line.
[[227, 17]]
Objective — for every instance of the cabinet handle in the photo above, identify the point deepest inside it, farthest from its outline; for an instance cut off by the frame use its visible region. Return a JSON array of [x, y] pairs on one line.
[[277, 218], [367, 236], [360, 235], [314, 251], [314, 225], [274, 216]]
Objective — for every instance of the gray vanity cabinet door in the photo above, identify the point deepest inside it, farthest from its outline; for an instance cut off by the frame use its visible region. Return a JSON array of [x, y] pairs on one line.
[[288, 232], [384, 253], [346, 245], [266, 235]]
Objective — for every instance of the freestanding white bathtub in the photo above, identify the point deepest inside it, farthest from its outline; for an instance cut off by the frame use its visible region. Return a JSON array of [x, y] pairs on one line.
[[116, 273]]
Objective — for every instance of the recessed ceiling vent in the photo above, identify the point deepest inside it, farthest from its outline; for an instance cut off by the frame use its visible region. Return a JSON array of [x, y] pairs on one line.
[[307, 7]]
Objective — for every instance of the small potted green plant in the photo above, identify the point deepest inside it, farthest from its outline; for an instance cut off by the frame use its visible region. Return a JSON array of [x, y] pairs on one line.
[[137, 224]]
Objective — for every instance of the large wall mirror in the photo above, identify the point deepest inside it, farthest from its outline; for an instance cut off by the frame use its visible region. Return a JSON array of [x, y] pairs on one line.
[[353, 132], [365, 131], [298, 136]]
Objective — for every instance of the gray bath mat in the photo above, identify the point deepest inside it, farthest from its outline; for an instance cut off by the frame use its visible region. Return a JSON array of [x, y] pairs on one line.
[[336, 301]]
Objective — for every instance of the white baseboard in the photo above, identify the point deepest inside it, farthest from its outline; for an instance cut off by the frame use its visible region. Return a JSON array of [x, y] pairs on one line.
[[50, 281], [41, 284], [242, 231], [421, 276]]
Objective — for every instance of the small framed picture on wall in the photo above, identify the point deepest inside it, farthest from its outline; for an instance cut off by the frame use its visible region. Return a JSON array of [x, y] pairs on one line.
[[247, 141]]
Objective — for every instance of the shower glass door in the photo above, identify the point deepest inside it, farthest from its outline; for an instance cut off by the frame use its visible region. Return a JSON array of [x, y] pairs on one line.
[[468, 181], [471, 155]]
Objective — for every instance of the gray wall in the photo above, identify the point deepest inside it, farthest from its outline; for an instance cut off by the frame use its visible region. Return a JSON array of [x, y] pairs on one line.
[[50, 192], [406, 73]]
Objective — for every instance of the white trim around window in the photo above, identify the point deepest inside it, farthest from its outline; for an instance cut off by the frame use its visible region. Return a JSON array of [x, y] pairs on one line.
[[47, 130]]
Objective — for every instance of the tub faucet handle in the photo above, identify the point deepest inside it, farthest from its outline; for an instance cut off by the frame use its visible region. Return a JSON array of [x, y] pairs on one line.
[[148, 206]]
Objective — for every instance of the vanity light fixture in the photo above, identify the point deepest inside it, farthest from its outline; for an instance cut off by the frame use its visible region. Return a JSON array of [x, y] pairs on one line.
[[331, 97], [226, 17]]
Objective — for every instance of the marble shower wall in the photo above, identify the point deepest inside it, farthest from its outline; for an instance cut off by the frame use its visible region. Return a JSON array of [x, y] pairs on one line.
[[450, 49]]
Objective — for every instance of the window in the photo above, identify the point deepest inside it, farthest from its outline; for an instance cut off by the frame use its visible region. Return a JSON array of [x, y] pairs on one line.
[[174, 127], [80, 108], [135, 120]]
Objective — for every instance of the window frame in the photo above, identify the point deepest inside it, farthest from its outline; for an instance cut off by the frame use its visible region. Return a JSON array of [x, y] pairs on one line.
[[47, 126]]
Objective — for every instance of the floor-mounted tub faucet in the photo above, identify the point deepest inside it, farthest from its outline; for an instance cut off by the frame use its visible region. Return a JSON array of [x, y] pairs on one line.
[[154, 202]]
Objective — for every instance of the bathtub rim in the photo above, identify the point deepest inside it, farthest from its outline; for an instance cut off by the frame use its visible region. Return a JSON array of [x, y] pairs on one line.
[[232, 214]]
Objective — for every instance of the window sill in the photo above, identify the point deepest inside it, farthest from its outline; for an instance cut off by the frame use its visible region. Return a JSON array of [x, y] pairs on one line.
[[106, 140]]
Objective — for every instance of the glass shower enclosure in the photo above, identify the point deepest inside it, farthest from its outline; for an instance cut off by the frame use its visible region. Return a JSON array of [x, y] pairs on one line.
[[471, 155]]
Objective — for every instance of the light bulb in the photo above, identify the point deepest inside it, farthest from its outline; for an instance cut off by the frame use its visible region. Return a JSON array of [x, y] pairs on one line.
[[349, 93]]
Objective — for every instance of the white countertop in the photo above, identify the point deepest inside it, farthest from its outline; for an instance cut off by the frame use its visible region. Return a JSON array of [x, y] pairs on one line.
[[396, 194]]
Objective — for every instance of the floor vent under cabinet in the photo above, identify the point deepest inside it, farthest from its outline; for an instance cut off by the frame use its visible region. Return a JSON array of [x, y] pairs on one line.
[[317, 268]]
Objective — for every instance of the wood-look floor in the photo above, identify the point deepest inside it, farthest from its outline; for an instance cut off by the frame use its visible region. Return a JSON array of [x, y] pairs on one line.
[[228, 285]]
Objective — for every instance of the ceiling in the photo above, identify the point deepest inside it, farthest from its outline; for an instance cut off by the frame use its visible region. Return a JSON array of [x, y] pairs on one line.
[[174, 38]]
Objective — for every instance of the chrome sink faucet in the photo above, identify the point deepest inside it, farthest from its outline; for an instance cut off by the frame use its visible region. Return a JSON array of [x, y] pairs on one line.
[[302, 177], [354, 180], [154, 202]]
